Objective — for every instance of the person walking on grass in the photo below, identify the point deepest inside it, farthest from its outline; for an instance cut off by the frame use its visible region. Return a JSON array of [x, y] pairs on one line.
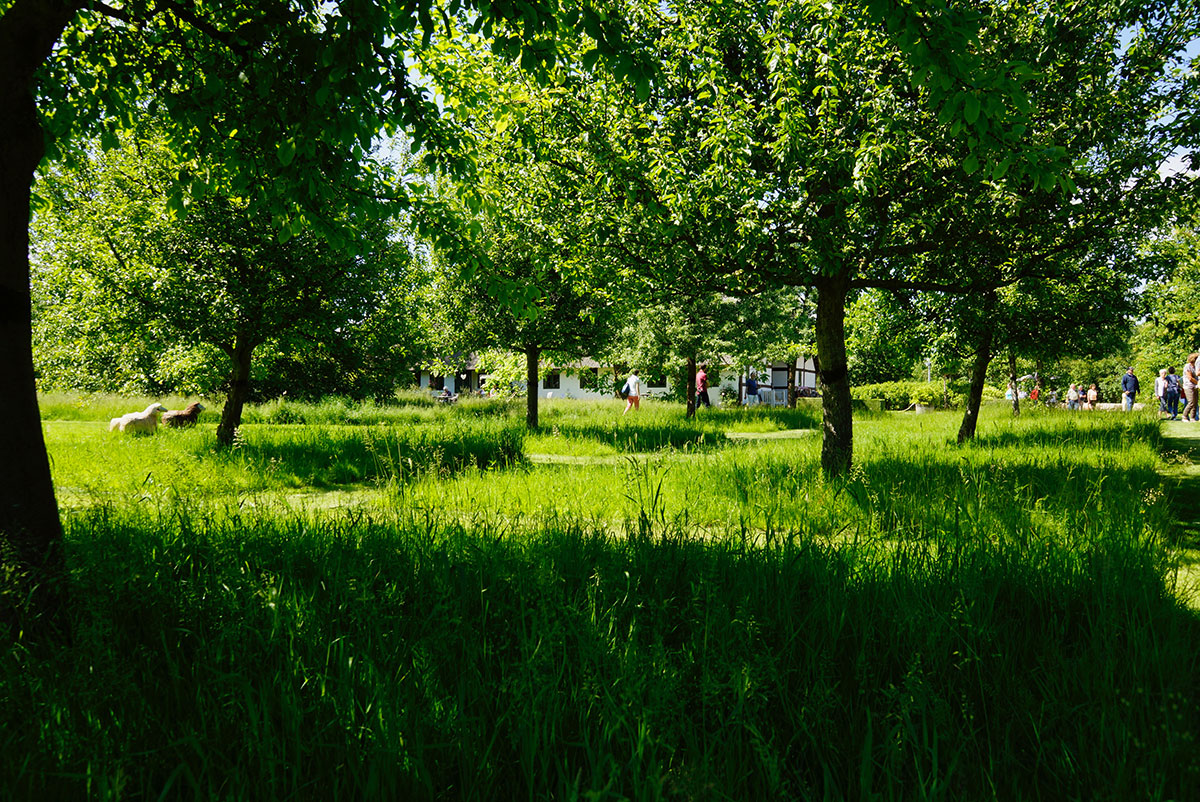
[[1093, 395], [1160, 390], [702, 387], [1171, 393], [1129, 389], [1189, 388], [633, 388]]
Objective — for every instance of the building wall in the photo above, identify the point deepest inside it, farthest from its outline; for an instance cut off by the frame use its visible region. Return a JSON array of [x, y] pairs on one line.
[[569, 384]]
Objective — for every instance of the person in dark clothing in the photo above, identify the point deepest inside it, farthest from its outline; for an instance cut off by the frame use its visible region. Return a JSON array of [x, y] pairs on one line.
[[1129, 388], [1171, 385]]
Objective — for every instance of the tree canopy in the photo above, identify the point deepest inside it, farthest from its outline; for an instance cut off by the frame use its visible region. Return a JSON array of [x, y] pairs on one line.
[[215, 279]]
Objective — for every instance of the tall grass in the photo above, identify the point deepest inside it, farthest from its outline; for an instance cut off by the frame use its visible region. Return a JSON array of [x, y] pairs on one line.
[[658, 425], [411, 657], [407, 408], [1045, 475], [992, 621], [92, 465]]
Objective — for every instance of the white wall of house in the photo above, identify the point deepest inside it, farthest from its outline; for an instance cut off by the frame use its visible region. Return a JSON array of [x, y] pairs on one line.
[[564, 384]]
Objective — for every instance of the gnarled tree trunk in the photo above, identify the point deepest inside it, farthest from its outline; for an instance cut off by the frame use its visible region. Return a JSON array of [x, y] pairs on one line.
[[239, 391], [791, 382], [691, 386], [983, 358], [32, 564], [837, 444], [532, 356]]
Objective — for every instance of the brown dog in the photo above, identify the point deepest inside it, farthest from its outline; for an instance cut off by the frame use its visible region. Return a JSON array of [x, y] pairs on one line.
[[183, 418]]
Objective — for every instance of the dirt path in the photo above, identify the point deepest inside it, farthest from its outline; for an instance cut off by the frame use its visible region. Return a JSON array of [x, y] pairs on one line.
[[1181, 481]]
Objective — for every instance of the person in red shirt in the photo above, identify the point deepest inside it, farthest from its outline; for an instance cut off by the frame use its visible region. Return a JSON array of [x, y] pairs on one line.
[[702, 387]]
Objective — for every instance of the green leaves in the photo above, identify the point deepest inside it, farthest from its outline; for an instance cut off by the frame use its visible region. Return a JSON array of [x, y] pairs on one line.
[[971, 108], [286, 151]]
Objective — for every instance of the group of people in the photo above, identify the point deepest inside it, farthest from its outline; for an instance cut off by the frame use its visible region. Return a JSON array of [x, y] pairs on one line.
[[1079, 398], [1168, 387]]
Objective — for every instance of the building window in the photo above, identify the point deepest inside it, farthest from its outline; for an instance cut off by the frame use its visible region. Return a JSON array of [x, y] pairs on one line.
[[589, 379], [551, 380], [655, 378], [437, 382]]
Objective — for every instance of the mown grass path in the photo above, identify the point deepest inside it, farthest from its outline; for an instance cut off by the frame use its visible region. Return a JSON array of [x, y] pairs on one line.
[[1181, 480], [617, 459]]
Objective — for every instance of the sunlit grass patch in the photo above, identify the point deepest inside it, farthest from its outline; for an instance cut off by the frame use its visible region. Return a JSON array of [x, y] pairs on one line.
[[93, 465]]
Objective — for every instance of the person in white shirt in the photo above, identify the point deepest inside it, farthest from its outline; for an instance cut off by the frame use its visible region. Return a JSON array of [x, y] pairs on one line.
[[633, 386], [1160, 388]]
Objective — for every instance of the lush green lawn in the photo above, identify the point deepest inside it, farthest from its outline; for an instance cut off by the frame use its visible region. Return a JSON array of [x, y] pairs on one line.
[[423, 604]]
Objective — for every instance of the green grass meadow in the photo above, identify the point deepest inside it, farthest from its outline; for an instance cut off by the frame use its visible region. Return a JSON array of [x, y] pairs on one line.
[[426, 603]]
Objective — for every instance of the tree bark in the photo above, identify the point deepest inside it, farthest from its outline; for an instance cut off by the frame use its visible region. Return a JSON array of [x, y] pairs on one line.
[[978, 376], [791, 382], [239, 391], [33, 589], [691, 386], [532, 356], [1012, 380], [837, 444]]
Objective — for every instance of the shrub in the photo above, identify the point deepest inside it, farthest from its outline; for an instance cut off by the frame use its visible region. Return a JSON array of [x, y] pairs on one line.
[[901, 394]]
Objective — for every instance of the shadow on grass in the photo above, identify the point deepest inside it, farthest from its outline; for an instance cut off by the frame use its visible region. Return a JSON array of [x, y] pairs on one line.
[[1057, 432], [1019, 501], [323, 457], [633, 436], [289, 658]]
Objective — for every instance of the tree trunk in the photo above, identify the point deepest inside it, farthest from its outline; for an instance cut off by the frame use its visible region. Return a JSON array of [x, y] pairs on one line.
[[239, 391], [617, 381], [691, 386], [532, 355], [32, 564], [837, 444], [978, 377], [791, 381], [1012, 380]]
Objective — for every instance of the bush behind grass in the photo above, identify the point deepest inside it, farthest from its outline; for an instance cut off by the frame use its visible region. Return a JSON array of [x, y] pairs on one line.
[[900, 394], [417, 658]]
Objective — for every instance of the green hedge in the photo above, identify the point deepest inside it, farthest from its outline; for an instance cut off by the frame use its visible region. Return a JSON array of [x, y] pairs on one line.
[[901, 394]]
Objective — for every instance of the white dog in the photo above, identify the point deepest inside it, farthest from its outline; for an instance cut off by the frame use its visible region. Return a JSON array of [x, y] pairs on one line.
[[144, 422]]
